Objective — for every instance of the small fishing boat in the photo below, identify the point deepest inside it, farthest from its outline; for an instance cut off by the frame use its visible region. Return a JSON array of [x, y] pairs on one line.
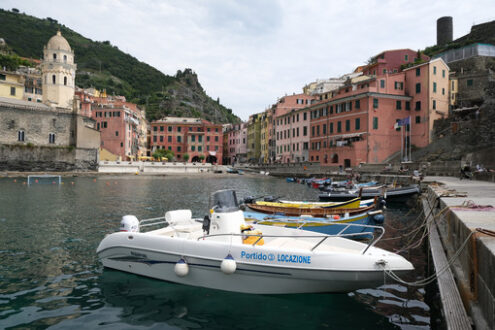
[[390, 194], [223, 252], [331, 225], [353, 203], [314, 211]]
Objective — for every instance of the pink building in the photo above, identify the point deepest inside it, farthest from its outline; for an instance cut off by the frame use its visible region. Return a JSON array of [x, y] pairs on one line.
[[291, 128], [120, 125], [390, 61], [236, 143], [357, 124]]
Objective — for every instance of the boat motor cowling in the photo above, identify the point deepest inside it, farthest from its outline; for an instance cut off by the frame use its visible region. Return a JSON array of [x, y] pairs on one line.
[[129, 223]]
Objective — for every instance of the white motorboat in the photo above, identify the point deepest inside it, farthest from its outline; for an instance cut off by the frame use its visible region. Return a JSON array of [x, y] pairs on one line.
[[225, 253]]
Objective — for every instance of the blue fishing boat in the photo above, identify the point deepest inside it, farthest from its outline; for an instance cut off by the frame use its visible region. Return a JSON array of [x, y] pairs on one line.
[[330, 226]]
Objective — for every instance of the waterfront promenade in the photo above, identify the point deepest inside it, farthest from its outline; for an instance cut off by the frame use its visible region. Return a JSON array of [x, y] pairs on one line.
[[461, 207]]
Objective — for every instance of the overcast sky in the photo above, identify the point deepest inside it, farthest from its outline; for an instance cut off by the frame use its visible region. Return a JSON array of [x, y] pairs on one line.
[[249, 53]]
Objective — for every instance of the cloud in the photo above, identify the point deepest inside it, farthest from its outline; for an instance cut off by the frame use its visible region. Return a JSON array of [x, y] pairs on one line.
[[249, 53]]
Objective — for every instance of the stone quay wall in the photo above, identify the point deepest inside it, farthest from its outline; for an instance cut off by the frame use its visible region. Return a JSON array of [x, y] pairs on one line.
[[25, 158], [157, 168]]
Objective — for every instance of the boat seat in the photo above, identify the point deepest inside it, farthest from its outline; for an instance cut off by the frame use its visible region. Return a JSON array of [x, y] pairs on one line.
[[188, 228]]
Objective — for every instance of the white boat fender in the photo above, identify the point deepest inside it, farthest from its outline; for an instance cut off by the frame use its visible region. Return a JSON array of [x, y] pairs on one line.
[[181, 268], [228, 265], [129, 223]]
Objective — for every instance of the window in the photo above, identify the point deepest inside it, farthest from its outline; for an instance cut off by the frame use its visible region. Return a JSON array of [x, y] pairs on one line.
[[358, 104], [169, 128], [169, 138], [161, 138], [54, 80], [207, 139], [216, 129], [179, 139], [408, 105], [324, 128], [318, 130], [418, 119], [179, 129], [418, 72], [116, 133], [434, 70], [65, 58], [193, 138], [98, 126], [200, 138], [375, 122], [469, 82], [443, 91], [155, 128], [339, 127], [305, 116], [51, 138], [193, 148], [3, 77], [216, 138], [200, 148], [305, 129], [121, 144], [384, 71], [434, 104], [12, 90], [331, 128], [382, 83], [443, 73], [20, 136], [65, 81], [178, 149], [398, 105], [434, 87], [453, 85], [418, 88], [358, 124], [418, 106], [313, 131], [190, 129], [406, 57], [375, 103], [54, 56], [104, 124], [347, 125], [170, 148], [154, 138]]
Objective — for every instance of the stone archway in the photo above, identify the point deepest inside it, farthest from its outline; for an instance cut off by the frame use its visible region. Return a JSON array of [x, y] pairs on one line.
[[335, 158], [211, 159], [195, 159]]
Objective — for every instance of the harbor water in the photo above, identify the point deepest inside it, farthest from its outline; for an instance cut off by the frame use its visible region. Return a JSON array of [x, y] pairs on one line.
[[50, 276]]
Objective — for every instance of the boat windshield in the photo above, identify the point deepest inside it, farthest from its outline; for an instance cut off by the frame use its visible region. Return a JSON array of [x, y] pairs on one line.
[[224, 201]]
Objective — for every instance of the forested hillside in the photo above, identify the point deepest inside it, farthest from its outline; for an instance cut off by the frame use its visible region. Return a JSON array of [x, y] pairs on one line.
[[104, 66]]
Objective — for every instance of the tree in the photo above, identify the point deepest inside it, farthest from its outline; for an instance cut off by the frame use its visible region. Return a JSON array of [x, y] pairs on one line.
[[201, 158], [185, 157]]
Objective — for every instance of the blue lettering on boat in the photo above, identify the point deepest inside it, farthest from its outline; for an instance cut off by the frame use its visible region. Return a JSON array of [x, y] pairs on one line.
[[291, 258]]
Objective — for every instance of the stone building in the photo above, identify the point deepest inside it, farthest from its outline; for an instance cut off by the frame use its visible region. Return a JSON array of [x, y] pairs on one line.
[[48, 135]]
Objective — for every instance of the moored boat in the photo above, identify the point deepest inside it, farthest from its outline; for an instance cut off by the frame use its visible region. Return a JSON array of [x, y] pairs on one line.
[[390, 194], [314, 211], [219, 254], [361, 223]]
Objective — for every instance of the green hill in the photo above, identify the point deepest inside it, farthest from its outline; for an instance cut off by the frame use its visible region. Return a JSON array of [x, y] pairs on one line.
[[104, 66]]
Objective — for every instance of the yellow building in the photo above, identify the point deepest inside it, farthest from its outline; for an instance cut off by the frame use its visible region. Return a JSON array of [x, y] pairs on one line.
[[265, 136], [11, 85], [454, 90]]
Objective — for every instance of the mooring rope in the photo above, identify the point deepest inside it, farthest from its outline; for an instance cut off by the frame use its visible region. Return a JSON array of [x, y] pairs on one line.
[[433, 277]]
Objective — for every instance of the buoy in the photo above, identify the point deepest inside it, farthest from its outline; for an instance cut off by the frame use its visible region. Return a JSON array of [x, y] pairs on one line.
[[181, 268], [36, 181], [228, 265], [72, 182], [94, 180], [15, 180]]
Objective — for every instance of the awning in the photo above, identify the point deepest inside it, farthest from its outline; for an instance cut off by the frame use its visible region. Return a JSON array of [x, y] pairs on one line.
[[346, 136], [212, 153]]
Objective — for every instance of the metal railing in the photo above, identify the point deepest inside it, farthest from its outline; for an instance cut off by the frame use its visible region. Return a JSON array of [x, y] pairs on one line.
[[323, 237]]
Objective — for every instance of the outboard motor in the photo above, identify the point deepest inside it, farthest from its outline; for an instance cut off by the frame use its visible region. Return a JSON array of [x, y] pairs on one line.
[[129, 223], [249, 200]]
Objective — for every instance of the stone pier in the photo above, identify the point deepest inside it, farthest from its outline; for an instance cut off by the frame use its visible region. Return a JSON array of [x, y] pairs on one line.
[[466, 205]]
